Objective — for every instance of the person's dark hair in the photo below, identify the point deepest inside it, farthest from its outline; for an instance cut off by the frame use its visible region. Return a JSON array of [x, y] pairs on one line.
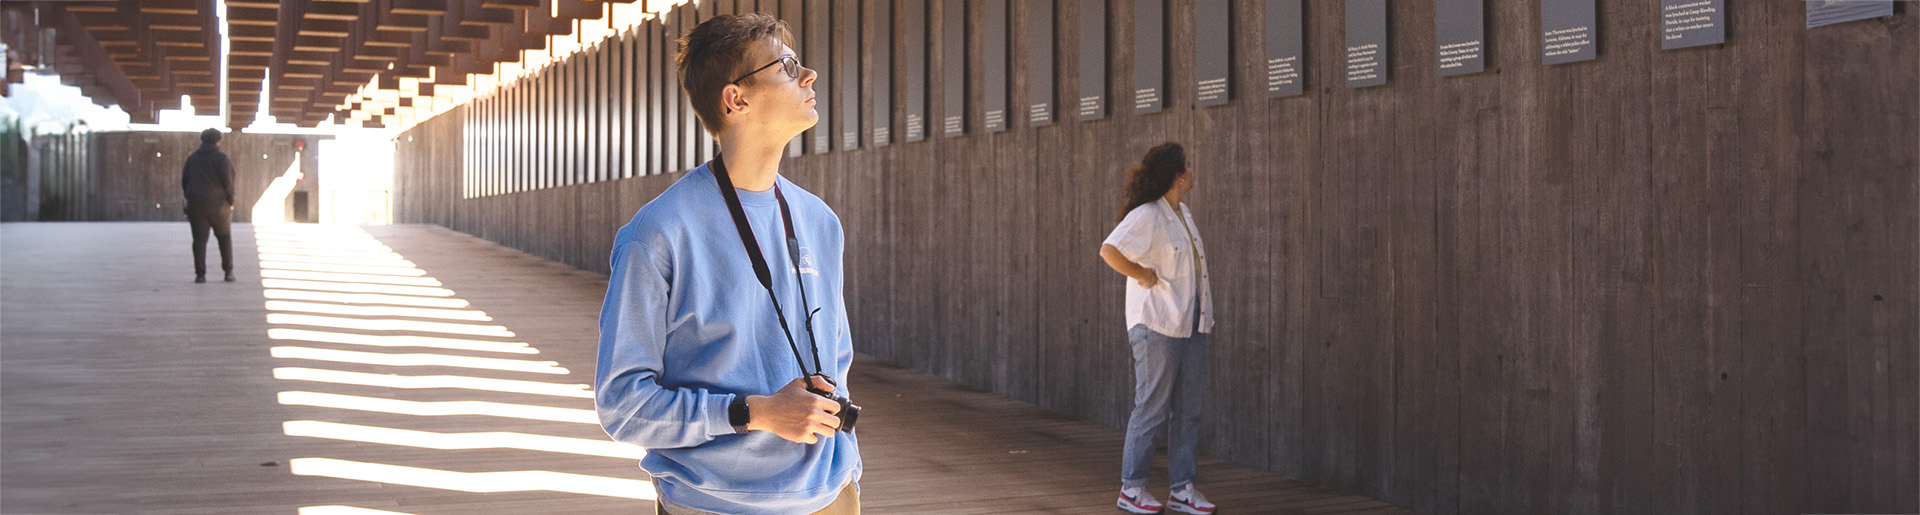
[[210, 136], [711, 54], [1152, 177]]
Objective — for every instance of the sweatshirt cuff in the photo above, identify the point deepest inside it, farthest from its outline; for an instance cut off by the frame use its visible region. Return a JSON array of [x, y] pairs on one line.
[[717, 421]]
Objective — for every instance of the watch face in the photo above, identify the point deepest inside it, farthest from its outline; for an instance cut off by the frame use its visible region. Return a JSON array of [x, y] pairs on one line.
[[737, 415]]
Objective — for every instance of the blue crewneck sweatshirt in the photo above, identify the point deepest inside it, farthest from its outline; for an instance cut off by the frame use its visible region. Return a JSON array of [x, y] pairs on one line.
[[686, 328]]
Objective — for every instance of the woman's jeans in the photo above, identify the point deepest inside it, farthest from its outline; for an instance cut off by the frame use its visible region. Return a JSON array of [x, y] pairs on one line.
[[1170, 378]]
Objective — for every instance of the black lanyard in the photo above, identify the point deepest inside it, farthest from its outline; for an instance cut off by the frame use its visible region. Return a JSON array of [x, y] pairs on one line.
[[719, 168]]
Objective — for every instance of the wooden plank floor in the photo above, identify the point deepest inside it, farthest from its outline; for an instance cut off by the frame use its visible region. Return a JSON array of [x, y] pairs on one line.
[[125, 388]]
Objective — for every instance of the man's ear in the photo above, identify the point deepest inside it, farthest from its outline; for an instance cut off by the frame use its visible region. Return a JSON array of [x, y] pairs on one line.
[[733, 98]]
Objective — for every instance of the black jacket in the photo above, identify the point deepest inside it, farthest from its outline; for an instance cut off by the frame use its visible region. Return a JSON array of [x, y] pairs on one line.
[[207, 178]]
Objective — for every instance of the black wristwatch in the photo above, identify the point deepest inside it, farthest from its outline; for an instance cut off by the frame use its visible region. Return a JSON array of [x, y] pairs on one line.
[[737, 415]]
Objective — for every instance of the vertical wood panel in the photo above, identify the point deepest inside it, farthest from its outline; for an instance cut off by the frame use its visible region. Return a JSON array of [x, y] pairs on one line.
[[704, 149], [689, 129], [656, 93], [792, 13], [576, 106], [595, 104], [632, 99], [670, 106], [549, 153]]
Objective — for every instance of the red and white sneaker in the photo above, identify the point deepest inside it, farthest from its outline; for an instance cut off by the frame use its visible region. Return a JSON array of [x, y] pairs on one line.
[[1137, 500], [1188, 500]]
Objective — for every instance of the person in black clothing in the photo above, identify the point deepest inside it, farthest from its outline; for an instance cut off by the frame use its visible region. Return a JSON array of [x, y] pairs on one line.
[[207, 181]]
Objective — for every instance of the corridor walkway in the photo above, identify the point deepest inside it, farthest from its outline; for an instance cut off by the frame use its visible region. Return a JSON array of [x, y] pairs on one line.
[[416, 370]]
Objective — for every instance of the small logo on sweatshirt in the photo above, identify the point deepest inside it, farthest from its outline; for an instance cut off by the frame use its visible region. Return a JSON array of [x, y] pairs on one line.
[[806, 262]]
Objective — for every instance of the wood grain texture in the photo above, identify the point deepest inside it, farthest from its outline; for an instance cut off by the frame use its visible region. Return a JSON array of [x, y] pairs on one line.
[[1654, 282]]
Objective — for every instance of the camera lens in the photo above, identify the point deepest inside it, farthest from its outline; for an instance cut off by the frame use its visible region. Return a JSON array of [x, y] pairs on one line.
[[849, 415]]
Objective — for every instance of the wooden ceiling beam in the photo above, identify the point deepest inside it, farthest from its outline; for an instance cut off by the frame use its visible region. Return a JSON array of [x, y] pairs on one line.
[[330, 28], [432, 7], [337, 11]]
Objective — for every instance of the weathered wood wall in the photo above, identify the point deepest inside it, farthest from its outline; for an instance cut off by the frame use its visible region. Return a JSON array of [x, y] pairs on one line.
[[1657, 282], [135, 176]]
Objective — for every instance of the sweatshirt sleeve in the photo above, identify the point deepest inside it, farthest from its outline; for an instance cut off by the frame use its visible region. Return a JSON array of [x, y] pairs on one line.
[[226, 177], [632, 404]]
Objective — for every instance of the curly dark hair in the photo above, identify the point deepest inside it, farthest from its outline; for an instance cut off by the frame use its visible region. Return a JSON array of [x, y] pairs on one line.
[[1152, 177]]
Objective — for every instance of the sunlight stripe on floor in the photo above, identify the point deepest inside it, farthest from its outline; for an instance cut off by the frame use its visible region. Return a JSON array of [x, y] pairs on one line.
[[579, 391], [382, 340], [417, 360], [479, 482], [463, 441], [438, 408]]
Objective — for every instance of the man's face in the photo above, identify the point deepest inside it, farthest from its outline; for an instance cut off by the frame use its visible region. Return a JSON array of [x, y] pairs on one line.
[[775, 101]]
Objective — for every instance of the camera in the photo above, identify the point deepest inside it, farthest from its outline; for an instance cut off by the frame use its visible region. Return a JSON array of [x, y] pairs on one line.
[[849, 412]]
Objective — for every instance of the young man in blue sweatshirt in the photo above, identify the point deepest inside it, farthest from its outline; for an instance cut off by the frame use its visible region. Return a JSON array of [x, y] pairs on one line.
[[697, 364]]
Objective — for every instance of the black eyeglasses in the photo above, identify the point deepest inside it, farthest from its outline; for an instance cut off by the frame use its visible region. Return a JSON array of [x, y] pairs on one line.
[[787, 63]]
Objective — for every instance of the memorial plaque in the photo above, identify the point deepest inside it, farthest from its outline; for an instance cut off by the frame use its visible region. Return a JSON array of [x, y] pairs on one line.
[[1149, 51], [1213, 51], [993, 58], [1460, 26], [880, 12], [914, 58], [819, 50], [1366, 43], [1039, 62], [1828, 12], [846, 25], [793, 12], [1092, 103], [1690, 23], [1568, 31], [953, 54], [1285, 49]]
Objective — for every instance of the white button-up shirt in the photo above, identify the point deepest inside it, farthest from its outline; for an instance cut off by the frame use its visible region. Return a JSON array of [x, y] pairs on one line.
[[1153, 236]]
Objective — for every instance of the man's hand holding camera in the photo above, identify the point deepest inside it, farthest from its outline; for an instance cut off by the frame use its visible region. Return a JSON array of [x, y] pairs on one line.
[[794, 413]]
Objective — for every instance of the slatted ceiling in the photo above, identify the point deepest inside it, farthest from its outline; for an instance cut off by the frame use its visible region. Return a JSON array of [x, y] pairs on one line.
[[318, 54]]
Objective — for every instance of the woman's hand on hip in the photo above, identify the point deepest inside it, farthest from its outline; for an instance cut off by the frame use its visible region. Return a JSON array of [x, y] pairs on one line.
[[1147, 279]]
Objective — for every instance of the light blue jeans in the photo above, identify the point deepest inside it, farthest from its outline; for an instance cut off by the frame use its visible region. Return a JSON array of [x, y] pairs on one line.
[[1170, 378]]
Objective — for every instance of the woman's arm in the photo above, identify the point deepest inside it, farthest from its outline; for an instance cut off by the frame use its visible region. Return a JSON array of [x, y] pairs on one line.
[[1126, 267]]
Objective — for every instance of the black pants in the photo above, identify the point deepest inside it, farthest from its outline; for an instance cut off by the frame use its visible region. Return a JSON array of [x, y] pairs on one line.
[[220, 219]]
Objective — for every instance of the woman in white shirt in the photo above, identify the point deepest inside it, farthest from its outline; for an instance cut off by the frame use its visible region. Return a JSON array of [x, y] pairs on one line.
[[1169, 313]]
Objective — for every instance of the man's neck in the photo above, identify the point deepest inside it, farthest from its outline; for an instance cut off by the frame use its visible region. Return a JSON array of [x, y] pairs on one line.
[[752, 163]]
